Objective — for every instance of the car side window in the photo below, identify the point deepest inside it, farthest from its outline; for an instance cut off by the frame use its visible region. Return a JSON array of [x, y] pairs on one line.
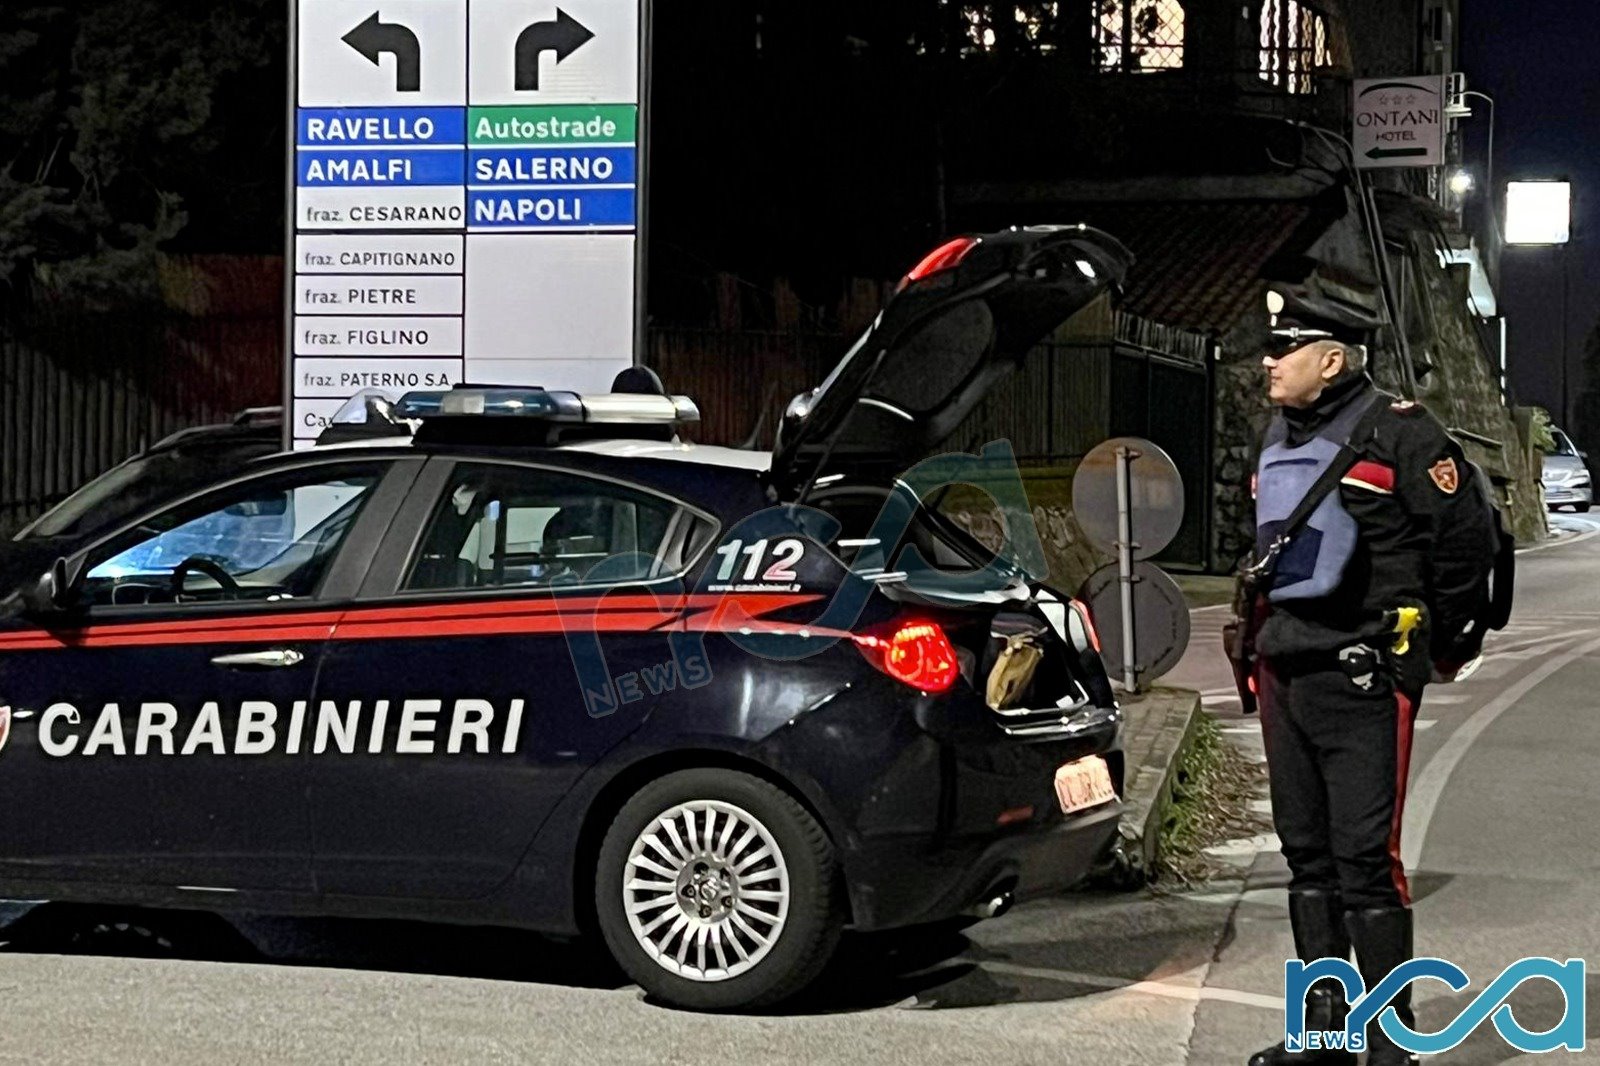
[[270, 539], [500, 526]]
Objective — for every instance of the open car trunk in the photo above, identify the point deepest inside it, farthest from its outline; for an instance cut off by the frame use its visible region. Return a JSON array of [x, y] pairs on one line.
[[961, 322]]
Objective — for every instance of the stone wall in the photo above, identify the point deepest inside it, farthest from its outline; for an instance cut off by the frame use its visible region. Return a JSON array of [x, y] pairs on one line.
[[1463, 391]]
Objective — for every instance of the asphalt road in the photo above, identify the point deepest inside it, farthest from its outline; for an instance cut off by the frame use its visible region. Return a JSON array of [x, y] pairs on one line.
[[1501, 835]]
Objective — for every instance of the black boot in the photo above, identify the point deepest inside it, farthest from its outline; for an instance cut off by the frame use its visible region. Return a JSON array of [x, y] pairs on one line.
[[1383, 940], [1317, 917]]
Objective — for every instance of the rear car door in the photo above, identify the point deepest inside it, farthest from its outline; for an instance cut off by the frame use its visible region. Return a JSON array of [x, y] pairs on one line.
[[153, 734], [515, 628]]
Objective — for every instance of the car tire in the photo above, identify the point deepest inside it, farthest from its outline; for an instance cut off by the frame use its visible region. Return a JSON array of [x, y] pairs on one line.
[[754, 909]]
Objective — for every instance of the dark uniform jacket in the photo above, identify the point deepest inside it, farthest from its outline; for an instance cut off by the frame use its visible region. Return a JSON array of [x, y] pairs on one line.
[[1408, 475]]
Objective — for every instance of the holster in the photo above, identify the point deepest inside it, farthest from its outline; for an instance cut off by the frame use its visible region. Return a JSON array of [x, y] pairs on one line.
[[1239, 634]]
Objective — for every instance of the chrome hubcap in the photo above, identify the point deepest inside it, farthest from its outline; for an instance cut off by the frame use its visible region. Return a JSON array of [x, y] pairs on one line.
[[706, 890]]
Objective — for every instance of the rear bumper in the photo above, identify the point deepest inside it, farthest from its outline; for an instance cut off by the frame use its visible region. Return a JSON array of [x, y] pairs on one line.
[[910, 882], [935, 808]]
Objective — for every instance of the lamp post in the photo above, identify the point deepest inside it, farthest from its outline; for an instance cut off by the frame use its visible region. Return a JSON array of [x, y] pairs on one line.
[[1488, 166]]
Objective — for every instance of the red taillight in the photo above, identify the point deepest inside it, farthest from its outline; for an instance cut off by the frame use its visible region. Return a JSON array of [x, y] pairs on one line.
[[1082, 611], [916, 654], [944, 257]]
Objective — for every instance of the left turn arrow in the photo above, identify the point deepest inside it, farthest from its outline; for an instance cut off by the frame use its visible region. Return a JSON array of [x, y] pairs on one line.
[[374, 37]]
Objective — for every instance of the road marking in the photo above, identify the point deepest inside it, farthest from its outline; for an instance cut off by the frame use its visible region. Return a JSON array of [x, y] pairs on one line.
[[1427, 723], [1424, 794], [1166, 988], [1579, 539]]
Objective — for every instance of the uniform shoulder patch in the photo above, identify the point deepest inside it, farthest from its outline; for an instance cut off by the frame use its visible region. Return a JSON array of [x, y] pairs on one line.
[[1446, 475]]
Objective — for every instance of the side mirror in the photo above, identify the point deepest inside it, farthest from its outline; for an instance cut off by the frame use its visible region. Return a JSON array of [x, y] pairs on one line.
[[53, 593]]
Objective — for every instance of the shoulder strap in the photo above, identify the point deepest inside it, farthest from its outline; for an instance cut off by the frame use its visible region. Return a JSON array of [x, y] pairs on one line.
[[1349, 455]]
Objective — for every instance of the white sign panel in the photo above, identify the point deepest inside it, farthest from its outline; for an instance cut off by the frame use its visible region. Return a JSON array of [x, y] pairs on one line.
[[339, 378], [1399, 122], [381, 53], [582, 52], [380, 254], [377, 294], [467, 182]]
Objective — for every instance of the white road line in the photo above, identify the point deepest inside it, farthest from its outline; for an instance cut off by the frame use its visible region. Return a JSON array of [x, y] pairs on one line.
[[1579, 539], [1424, 794], [1428, 723], [1192, 993]]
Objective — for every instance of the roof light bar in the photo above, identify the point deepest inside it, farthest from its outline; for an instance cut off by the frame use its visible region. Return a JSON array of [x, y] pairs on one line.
[[548, 406]]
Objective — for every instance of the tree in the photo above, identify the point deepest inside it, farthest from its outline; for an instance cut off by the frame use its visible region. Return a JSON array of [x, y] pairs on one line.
[[110, 124]]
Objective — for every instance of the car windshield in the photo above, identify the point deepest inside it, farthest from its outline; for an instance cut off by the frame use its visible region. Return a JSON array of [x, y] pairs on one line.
[[1563, 444]]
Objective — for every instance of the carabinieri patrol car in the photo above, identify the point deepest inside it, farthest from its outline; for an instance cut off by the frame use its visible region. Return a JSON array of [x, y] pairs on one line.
[[517, 656]]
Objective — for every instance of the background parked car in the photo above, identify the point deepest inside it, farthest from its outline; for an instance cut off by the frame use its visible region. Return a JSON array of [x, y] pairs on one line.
[[1566, 479]]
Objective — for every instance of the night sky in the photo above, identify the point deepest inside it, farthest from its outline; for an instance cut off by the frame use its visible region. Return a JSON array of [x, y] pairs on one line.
[[1539, 62]]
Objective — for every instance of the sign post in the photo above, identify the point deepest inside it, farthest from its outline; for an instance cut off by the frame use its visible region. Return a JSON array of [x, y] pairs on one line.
[[1125, 576], [467, 180], [1128, 499], [1399, 122]]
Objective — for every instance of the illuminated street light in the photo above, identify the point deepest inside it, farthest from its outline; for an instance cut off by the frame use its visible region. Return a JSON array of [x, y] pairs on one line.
[[1461, 181], [1538, 212]]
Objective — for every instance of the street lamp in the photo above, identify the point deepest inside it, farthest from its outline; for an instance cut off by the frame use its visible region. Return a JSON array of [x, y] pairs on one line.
[[1461, 181], [1488, 175], [1539, 215]]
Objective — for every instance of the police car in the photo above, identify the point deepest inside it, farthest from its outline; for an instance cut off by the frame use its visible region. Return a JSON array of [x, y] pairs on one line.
[[523, 657]]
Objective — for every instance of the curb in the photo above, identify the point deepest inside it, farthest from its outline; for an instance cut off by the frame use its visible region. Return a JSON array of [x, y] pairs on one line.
[[1161, 725]]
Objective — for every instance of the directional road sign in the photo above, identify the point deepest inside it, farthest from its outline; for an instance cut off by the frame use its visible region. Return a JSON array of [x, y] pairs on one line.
[[467, 180], [1399, 122]]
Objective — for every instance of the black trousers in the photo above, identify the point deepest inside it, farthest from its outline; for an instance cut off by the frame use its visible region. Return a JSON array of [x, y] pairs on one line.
[[1338, 746]]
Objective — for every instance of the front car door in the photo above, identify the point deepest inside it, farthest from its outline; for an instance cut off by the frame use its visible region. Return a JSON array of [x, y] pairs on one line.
[[523, 615], [153, 734]]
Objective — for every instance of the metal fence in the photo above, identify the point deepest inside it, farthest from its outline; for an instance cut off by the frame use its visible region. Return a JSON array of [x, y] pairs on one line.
[[80, 392]]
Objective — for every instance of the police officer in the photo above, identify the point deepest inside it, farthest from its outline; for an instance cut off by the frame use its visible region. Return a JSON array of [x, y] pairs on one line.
[[1343, 651]]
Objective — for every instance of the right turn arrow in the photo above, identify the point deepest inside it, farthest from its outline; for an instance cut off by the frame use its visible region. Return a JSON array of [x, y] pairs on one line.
[[374, 37], [563, 37]]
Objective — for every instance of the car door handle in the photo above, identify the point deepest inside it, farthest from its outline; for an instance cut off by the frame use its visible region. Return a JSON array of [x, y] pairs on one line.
[[264, 660]]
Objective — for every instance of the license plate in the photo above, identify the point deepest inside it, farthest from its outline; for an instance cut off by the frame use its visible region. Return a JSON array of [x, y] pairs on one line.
[[1084, 784]]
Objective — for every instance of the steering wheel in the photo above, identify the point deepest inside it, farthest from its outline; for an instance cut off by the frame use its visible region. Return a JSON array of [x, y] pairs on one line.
[[209, 567]]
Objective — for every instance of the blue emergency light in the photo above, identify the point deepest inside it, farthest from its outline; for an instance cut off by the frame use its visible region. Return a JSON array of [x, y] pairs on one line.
[[493, 401], [547, 406]]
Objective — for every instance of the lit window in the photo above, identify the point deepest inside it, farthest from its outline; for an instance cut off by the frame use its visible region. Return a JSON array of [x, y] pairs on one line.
[[1294, 44], [1032, 26], [1139, 35]]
